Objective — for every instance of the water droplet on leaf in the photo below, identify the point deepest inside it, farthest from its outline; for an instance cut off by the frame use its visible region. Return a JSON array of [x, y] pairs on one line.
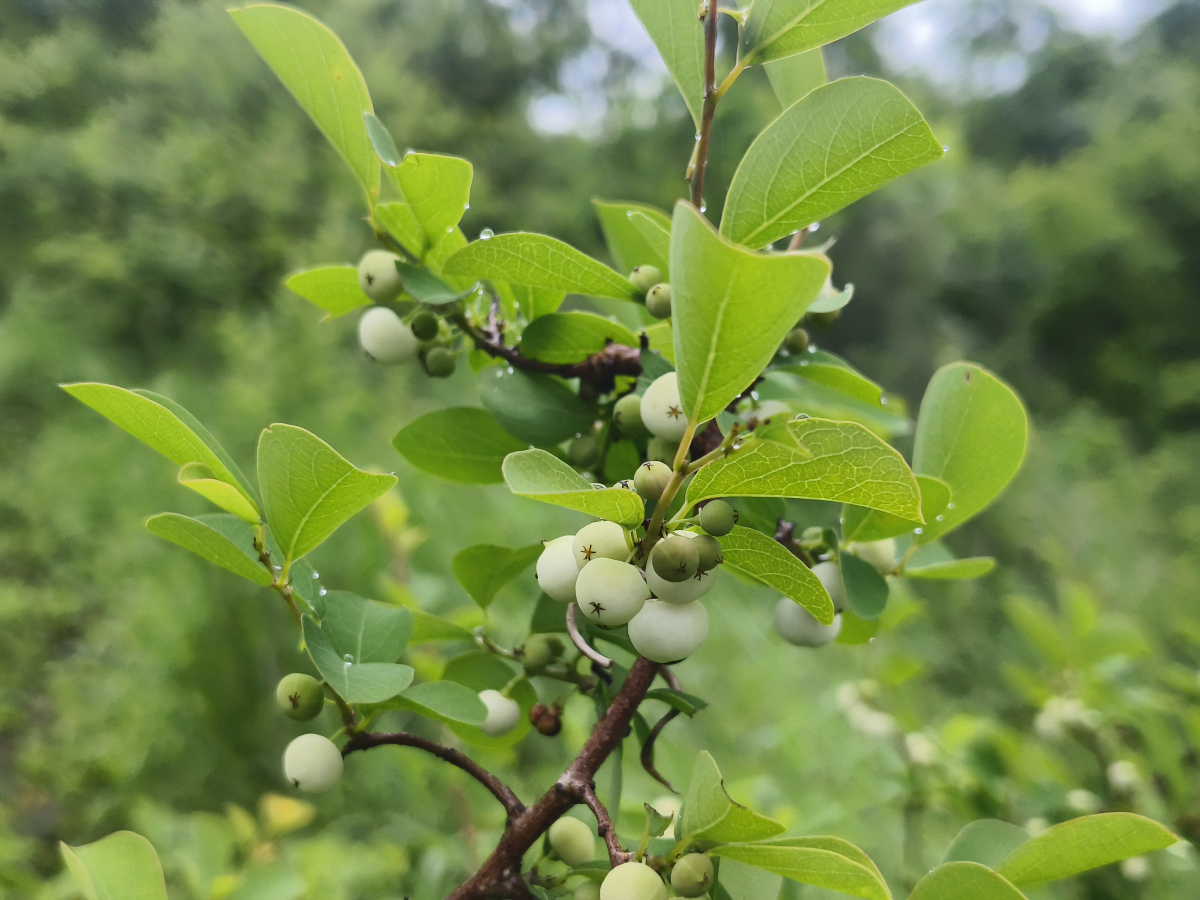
[[486, 233]]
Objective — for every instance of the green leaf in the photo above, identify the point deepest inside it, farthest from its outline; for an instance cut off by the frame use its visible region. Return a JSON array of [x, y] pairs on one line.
[[122, 866], [964, 881], [866, 589], [382, 140], [356, 682], [831, 299], [709, 814], [539, 261], [628, 245], [678, 33], [763, 559], [797, 76], [464, 444], [777, 29], [738, 881], [315, 66], [987, 841], [480, 671], [841, 142], [428, 627], [688, 704], [856, 630], [656, 822], [367, 631], [538, 409], [401, 223], [621, 461], [957, 570], [209, 543], [309, 489], [824, 862], [971, 433], [542, 476], [732, 309], [333, 288], [437, 189], [445, 701], [1081, 844], [861, 524], [571, 337], [425, 287], [833, 371], [201, 479], [837, 461], [485, 568], [532, 302]]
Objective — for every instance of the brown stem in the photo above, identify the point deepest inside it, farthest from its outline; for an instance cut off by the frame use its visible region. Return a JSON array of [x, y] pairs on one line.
[[582, 645], [710, 104], [604, 827], [648, 749]]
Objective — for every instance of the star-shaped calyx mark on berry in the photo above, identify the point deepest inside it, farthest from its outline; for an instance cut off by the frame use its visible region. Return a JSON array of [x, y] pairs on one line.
[[675, 412]]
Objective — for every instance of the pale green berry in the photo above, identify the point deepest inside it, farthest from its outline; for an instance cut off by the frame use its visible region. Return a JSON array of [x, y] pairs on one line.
[[589, 890], [583, 451], [692, 875], [796, 341], [831, 579], [645, 277], [540, 650], [378, 276], [708, 548], [598, 540], [675, 559], [440, 362], [300, 696], [651, 479], [682, 592], [627, 415], [633, 881], [662, 450], [385, 337], [610, 592], [658, 301], [557, 569], [717, 518], [662, 410], [424, 325], [573, 841], [664, 632], [313, 763], [798, 626], [880, 554], [503, 714]]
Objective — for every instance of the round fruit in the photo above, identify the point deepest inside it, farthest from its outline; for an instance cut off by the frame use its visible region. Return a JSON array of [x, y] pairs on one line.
[[798, 626], [378, 276], [681, 592], [831, 579], [796, 341], [611, 592], [557, 570], [662, 410], [300, 696], [503, 714], [633, 881], [675, 559], [880, 554], [540, 650], [645, 277], [662, 450], [692, 875], [627, 415], [709, 550], [440, 362], [387, 339], [312, 763], [651, 479], [589, 890], [583, 451], [424, 325], [718, 518], [658, 301], [598, 540], [573, 841], [663, 632]]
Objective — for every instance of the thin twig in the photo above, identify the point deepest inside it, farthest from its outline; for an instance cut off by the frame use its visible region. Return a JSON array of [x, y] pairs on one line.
[[710, 104], [580, 644], [798, 238], [605, 828], [648, 749]]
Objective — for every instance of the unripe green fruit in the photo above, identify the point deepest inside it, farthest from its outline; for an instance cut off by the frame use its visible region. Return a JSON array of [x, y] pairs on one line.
[[880, 554], [540, 650], [798, 626], [627, 415], [633, 881], [675, 559], [663, 632], [662, 450], [583, 451], [658, 301], [662, 410], [503, 714], [378, 276], [385, 338], [312, 763], [598, 540], [651, 479], [557, 569], [573, 841], [831, 579], [424, 325], [709, 550], [300, 696], [681, 592], [589, 890], [440, 362], [610, 592], [645, 277], [692, 875], [796, 341], [718, 518]]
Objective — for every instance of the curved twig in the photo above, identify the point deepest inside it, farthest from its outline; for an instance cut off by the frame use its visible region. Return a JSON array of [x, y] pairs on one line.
[[605, 828], [648, 749], [580, 644]]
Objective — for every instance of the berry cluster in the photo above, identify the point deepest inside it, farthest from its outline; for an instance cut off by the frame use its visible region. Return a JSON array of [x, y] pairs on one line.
[[386, 337]]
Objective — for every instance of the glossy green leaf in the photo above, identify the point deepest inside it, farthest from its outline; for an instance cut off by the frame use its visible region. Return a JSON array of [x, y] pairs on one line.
[[356, 682], [765, 560], [796, 76], [382, 140], [425, 287], [1081, 844], [209, 543], [709, 814], [534, 408], [309, 489], [841, 142], [436, 188], [837, 461], [437, 255], [532, 302], [485, 568], [333, 288], [971, 433], [861, 524], [738, 881], [428, 627], [866, 589], [812, 399], [732, 309], [315, 66], [539, 261], [776, 29], [401, 223], [367, 631], [122, 866], [445, 701], [986, 841], [464, 444], [824, 862], [856, 630], [621, 461], [833, 371], [628, 245], [542, 476], [688, 704], [831, 299], [201, 479], [571, 337], [678, 33], [964, 881], [956, 570]]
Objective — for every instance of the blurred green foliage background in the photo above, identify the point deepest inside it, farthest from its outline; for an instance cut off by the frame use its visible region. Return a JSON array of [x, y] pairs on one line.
[[157, 184]]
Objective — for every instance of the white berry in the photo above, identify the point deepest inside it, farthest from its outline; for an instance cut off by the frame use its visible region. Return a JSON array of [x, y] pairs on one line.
[[831, 579], [685, 591], [503, 714], [600, 539], [798, 626], [387, 339], [633, 881], [880, 554], [573, 841], [557, 569], [610, 592], [378, 277], [665, 632], [662, 409], [313, 763]]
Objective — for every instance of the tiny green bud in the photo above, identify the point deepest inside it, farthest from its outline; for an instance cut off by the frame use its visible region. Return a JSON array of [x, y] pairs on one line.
[[645, 277], [812, 537], [796, 341], [709, 550], [662, 449], [658, 301], [675, 559], [583, 451], [378, 276], [573, 841], [662, 409], [718, 518], [540, 650], [313, 763], [651, 479], [440, 362], [692, 875], [300, 696], [633, 881], [503, 714], [600, 540], [627, 415], [424, 325]]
